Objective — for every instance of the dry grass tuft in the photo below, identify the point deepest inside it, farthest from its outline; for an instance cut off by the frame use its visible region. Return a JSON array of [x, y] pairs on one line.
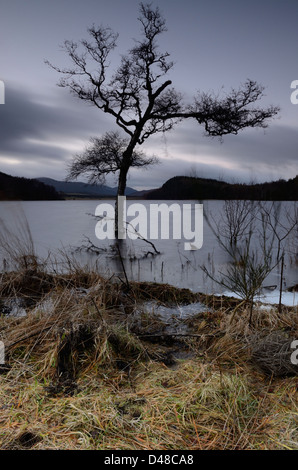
[[82, 373], [272, 353]]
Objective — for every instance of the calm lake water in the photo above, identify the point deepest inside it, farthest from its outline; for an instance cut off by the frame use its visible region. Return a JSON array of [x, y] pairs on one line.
[[65, 226]]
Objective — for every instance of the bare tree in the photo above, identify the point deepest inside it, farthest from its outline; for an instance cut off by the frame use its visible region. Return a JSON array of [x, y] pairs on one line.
[[249, 244], [282, 223], [104, 156], [254, 235], [234, 224], [140, 99]]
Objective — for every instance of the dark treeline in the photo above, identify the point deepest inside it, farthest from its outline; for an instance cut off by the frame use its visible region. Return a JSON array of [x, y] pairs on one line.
[[179, 187], [17, 188], [187, 187]]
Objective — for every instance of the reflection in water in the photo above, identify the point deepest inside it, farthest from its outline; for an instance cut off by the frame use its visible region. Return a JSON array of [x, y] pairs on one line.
[[62, 225]]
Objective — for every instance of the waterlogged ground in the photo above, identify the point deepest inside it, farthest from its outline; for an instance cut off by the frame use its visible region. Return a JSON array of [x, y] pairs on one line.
[[65, 230]]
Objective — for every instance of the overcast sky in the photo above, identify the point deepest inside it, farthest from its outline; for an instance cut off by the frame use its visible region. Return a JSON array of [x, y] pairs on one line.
[[215, 44]]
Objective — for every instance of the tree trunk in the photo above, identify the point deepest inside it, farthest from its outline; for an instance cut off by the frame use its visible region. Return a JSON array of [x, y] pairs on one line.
[[121, 192], [122, 182], [125, 165]]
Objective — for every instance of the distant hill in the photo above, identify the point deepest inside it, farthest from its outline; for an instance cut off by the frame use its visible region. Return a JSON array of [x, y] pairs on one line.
[[186, 187], [25, 189], [79, 189], [179, 187]]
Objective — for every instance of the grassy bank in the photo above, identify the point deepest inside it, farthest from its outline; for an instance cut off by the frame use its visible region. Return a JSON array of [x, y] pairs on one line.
[[89, 368]]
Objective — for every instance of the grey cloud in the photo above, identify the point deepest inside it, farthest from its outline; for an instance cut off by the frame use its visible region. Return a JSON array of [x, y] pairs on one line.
[[157, 175], [253, 151], [277, 146], [33, 129], [25, 119]]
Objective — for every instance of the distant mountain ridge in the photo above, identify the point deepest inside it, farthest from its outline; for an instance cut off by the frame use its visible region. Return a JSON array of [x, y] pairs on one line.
[[187, 187], [80, 189]]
